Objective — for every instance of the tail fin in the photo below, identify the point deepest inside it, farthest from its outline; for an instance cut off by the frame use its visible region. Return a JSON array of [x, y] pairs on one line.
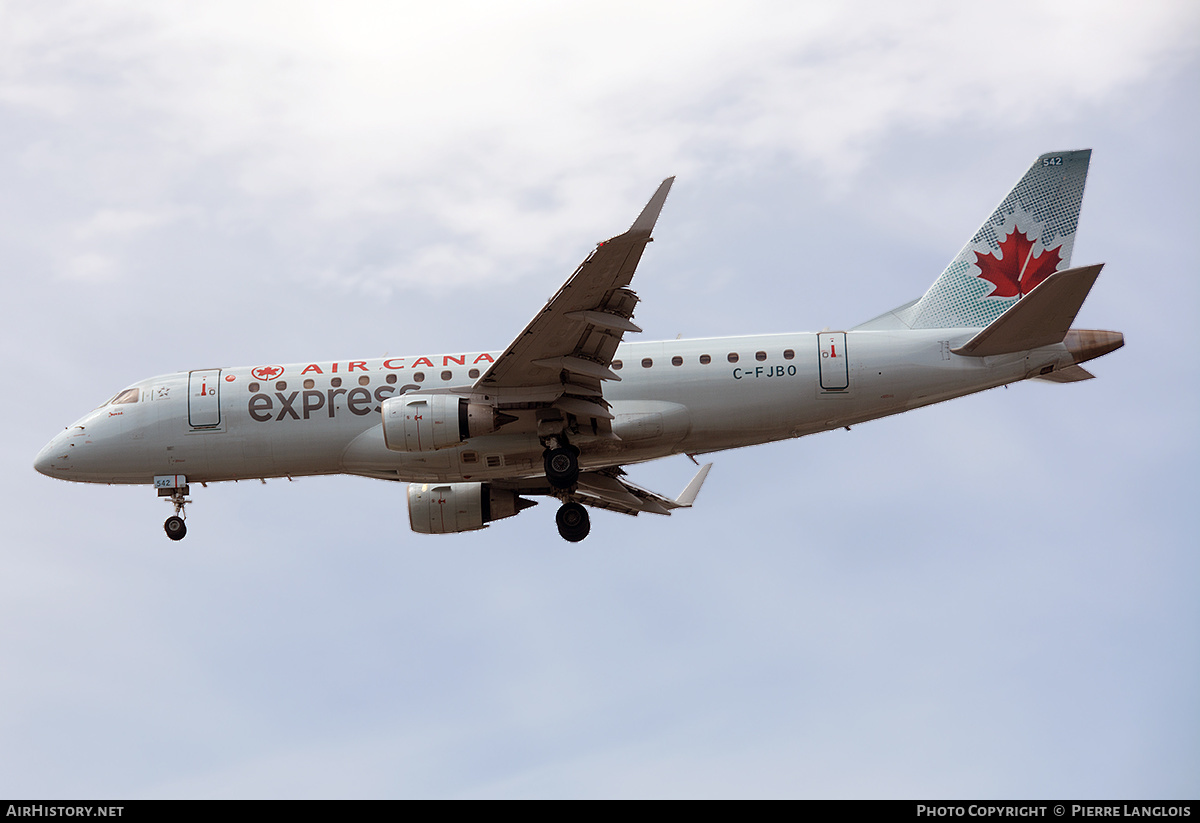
[[1029, 236]]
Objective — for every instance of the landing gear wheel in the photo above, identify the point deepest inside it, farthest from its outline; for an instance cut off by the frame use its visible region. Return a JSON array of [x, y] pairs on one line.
[[573, 522], [175, 528], [562, 467], [177, 497]]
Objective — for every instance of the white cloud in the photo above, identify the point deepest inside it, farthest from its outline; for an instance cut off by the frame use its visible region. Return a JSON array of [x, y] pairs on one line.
[[118, 223], [90, 266], [332, 116]]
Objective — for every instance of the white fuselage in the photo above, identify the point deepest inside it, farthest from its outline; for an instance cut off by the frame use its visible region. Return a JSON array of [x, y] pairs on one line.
[[678, 396]]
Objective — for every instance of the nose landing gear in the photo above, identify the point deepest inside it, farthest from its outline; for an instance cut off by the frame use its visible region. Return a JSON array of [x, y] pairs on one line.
[[174, 526]]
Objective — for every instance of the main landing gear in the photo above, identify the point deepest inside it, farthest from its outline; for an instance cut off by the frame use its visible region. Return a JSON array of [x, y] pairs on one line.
[[573, 522], [174, 526], [562, 466], [561, 461]]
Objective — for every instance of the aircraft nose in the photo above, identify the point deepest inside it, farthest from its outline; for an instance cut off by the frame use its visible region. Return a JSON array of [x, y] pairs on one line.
[[53, 459]]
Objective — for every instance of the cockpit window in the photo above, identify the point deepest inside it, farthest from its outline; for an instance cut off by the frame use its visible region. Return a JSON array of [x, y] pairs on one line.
[[127, 396]]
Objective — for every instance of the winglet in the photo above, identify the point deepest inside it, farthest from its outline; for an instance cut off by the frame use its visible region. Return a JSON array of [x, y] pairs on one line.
[[688, 495], [649, 216]]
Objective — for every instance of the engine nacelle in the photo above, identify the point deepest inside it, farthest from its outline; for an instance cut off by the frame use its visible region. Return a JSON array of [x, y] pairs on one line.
[[444, 508], [424, 422]]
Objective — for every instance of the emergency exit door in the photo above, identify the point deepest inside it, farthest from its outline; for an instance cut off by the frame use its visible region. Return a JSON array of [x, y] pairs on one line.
[[204, 399], [835, 367]]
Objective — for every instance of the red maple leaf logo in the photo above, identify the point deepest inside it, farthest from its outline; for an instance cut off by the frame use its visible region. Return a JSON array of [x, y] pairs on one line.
[[1017, 272], [266, 372]]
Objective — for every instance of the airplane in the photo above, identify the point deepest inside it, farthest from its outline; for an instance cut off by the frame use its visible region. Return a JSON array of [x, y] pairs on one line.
[[569, 403]]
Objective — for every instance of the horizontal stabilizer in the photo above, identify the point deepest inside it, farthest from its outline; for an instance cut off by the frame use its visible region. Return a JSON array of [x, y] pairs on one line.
[[1041, 318], [1071, 374]]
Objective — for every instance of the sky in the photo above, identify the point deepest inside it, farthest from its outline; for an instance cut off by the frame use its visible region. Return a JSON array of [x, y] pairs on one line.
[[993, 597]]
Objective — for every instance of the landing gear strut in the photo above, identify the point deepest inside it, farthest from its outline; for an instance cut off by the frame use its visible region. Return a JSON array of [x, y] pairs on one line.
[[174, 526], [573, 522]]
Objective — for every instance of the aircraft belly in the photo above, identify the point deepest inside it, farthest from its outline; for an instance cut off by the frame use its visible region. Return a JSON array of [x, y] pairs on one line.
[[733, 407], [313, 451]]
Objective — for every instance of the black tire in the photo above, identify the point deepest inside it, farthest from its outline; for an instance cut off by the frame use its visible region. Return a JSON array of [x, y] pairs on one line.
[[562, 467], [175, 528], [573, 522]]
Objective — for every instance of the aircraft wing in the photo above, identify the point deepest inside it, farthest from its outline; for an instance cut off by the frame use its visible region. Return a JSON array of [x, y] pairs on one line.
[[608, 489], [563, 355]]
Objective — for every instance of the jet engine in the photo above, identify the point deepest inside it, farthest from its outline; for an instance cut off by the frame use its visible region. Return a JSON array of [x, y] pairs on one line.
[[424, 422], [443, 508]]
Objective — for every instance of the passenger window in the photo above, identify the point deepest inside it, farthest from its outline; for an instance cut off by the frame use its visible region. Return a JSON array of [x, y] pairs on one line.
[[419, 377], [788, 354], [391, 378], [676, 361], [308, 383], [363, 380], [473, 373], [617, 364], [253, 387], [647, 362], [335, 382], [705, 359], [281, 385], [733, 358], [760, 356]]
